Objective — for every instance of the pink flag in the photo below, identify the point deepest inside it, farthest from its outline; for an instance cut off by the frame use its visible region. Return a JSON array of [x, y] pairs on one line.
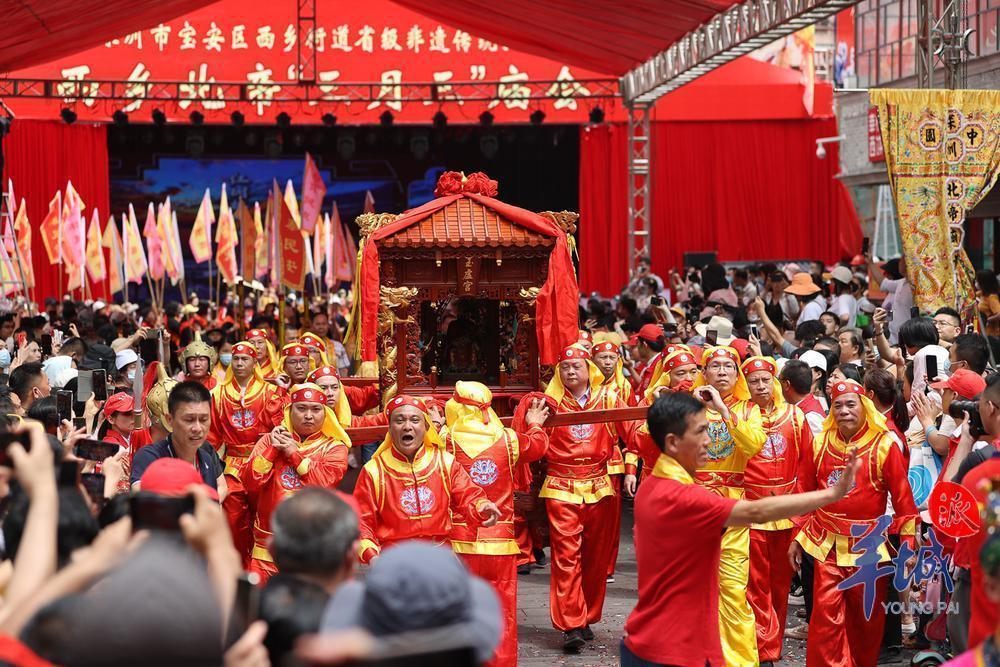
[[154, 245], [328, 244], [96, 267], [369, 202], [8, 225], [313, 191], [343, 259], [73, 247]]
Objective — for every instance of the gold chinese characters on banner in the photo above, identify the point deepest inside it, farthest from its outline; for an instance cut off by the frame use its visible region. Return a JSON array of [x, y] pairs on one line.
[[942, 151]]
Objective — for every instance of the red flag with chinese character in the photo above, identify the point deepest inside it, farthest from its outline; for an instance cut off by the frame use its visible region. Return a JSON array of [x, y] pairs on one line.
[[112, 240], [96, 268], [369, 202], [22, 231], [274, 208], [313, 192], [50, 230], [248, 239], [135, 259], [154, 245], [225, 239], [200, 241], [291, 248], [72, 231]]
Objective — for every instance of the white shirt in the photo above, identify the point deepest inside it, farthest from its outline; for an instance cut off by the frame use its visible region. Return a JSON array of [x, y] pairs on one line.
[[812, 310], [902, 302], [845, 305]]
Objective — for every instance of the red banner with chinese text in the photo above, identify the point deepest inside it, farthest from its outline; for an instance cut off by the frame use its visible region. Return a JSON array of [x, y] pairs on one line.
[[374, 50]]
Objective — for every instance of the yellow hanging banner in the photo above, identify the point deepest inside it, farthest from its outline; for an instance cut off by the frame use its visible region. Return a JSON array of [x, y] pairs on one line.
[[942, 151]]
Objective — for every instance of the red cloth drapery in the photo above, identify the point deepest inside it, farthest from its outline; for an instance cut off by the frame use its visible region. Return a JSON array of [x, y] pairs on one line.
[[37, 32], [603, 235], [41, 156], [750, 190], [556, 314]]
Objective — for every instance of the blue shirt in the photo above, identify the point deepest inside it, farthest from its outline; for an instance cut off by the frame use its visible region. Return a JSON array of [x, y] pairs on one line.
[[209, 465]]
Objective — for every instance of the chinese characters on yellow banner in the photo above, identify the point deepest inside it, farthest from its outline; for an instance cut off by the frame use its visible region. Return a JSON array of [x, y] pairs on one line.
[[942, 152]]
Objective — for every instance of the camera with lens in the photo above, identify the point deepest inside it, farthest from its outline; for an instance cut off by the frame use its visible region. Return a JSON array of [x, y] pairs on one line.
[[958, 409]]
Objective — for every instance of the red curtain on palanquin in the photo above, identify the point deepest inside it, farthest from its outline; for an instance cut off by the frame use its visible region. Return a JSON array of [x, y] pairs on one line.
[[41, 156]]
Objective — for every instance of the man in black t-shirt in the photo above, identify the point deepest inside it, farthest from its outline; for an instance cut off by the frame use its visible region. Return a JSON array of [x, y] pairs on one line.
[[189, 413]]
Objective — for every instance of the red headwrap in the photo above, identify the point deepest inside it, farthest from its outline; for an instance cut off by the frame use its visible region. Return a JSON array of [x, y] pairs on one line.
[[605, 346], [721, 352], [245, 348], [312, 340], [759, 364], [573, 352], [586, 335], [404, 400], [294, 350], [323, 372], [676, 359], [308, 394], [257, 333], [846, 387]]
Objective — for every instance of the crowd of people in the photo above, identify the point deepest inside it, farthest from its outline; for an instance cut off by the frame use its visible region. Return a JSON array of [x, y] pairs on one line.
[[182, 487]]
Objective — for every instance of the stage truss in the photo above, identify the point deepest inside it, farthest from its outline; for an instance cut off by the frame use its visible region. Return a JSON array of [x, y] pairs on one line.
[[728, 35]]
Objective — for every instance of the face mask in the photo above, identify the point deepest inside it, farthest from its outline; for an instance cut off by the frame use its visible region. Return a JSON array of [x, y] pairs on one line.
[[225, 359], [131, 376], [4, 358]]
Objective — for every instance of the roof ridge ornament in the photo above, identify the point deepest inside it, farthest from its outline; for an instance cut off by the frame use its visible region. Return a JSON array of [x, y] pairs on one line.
[[457, 183]]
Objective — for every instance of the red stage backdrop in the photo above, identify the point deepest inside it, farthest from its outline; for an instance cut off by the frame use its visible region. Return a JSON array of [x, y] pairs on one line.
[[750, 190], [41, 156], [255, 41]]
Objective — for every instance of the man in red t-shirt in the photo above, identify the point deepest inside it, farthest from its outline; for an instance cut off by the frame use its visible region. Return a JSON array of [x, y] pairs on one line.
[[676, 620]]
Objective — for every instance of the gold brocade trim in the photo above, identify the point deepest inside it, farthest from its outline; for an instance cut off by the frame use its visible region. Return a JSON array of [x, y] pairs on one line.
[[616, 468], [365, 545], [582, 491], [261, 465], [260, 553], [483, 548], [303, 467], [421, 462], [234, 465], [842, 546]]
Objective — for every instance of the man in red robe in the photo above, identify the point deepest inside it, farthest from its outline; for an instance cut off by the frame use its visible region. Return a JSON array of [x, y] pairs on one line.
[[839, 633], [580, 497], [244, 408], [490, 454], [411, 487], [309, 448], [772, 472], [338, 397]]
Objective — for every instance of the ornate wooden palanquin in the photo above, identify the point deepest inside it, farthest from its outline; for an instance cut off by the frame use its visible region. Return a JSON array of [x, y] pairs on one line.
[[457, 297]]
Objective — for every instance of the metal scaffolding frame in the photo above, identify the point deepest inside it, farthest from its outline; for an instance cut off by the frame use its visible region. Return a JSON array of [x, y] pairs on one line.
[[639, 180], [305, 44], [312, 93], [729, 34]]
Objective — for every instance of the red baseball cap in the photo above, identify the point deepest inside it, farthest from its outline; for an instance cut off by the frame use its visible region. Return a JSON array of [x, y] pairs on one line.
[[172, 477], [967, 384], [648, 332]]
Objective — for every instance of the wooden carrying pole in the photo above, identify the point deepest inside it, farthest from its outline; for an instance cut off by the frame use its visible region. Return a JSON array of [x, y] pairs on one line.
[[373, 433]]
